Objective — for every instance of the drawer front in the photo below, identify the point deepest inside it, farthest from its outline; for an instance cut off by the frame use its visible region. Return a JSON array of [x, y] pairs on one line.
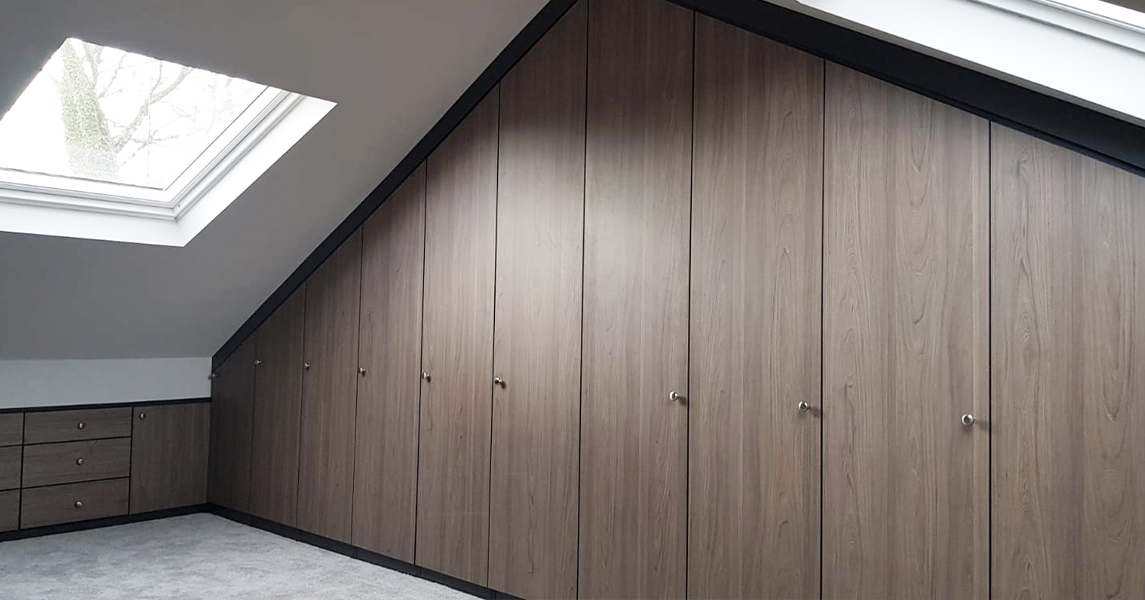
[[9, 510], [73, 502], [12, 429], [75, 425], [69, 462], [10, 468]]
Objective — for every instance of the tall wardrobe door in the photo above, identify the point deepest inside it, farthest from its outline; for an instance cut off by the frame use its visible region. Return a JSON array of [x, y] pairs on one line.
[[329, 389], [1068, 374], [277, 407], [755, 345], [457, 390], [540, 230], [385, 481], [232, 395], [633, 486], [906, 500]]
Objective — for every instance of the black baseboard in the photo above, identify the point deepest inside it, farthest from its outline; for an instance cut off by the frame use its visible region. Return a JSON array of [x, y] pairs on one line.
[[23, 534], [358, 553]]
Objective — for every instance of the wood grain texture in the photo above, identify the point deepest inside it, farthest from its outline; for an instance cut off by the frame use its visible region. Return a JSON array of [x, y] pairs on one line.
[[11, 429], [10, 461], [58, 503], [456, 404], [329, 394], [9, 510], [277, 410], [232, 399], [633, 488], [169, 450], [52, 464], [385, 481], [540, 233], [75, 425], [755, 316], [906, 497], [1068, 374]]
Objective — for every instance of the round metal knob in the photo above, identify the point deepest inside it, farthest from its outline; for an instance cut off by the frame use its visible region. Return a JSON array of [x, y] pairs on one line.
[[213, 376], [305, 366], [804, 407], [142, 416], [362, 371], [79, 504], [968, 420], [79, 461], [497, 381], [81, 425], [257, 362], [425, 376], [675, 396]]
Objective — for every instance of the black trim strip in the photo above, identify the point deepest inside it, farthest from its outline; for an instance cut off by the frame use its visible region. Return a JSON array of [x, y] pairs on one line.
[[67, 407], [22, 534], [356, 553], [1108, 139]]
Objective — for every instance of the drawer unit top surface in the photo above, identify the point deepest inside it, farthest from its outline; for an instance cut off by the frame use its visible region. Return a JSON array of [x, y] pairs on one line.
[[70, 462], [75, 425]]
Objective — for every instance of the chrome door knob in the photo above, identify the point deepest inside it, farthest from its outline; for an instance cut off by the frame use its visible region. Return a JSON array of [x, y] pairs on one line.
[[79, 504], [257, 362], [425, 376], [804, 407], [305, 366], [79, 461], [968, 420], [81, 425], [497, 381], [675, 396], [362, 371], [213, 376], [142, 416]]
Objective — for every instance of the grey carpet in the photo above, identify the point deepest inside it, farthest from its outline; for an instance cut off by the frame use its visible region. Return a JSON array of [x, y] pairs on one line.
[[196, 557]]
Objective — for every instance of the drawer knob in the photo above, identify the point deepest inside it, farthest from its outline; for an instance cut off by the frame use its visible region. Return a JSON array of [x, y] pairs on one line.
[[142, 416], [79, 504], [79, 461], [81, 425]]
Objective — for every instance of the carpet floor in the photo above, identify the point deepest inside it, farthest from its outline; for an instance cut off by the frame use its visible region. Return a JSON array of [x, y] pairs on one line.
[[196, 557]]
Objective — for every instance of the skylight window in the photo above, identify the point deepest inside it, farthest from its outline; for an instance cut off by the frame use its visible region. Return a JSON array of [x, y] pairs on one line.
[[114, 132]]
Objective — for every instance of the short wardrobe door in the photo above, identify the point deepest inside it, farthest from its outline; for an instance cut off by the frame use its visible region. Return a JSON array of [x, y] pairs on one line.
[[905, 498], [457, 387], [1068, 374], [755, 384], [540, 227], [232, 395], [329, 394], [277, 408], [634, 413]]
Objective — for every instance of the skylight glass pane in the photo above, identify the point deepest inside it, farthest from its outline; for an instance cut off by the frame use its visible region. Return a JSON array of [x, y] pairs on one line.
[[98, 113]]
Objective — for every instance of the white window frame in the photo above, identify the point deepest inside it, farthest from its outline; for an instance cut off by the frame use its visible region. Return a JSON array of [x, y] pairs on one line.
[[1099, 20], [37, 189]]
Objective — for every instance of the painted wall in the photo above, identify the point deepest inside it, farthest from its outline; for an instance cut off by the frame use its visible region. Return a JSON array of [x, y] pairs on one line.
[[29, 383]]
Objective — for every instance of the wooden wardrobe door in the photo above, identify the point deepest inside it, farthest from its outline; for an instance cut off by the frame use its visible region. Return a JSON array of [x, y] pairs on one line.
[[757, 224], [457, 350], [906, 500], [540, 232], [169, 454], [277, 408], [329, 394], [633, 486], [232, 397], [1068, 374], [385, 481]]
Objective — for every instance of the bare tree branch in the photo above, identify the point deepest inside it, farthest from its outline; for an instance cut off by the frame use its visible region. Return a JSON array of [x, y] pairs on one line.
[[154, 96]]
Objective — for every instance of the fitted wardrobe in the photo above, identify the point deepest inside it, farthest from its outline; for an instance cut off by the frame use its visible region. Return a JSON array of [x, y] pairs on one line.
[[679, 311]]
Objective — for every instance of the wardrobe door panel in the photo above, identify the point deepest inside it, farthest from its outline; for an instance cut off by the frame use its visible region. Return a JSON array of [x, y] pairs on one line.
[[169, 455], [456, 400], [232, 397], [385, 481], [755, 284], [329, 389], [1069, 411], [905, 340], [633, 485], [277, 408], [540, 230]]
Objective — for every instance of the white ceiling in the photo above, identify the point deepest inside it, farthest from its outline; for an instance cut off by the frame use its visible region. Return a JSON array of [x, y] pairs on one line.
[[393, 67]]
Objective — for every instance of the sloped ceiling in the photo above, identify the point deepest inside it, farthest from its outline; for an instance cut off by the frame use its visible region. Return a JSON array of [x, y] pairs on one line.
[[392, 66]]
